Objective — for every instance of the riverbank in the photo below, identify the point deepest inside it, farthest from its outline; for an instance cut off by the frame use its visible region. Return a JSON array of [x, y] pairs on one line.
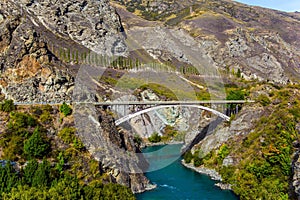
[[213, 174], [175, 181]]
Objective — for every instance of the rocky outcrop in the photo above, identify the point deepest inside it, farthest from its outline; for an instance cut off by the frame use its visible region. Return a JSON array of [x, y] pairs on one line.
[[92, 23], [113, 148], [33, 34], [239, 127], [37, 35], [30, 71], [182, 119], [296, 175], [213, 174]]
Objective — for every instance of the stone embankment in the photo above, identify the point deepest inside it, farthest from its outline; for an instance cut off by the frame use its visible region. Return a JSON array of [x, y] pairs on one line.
[[213, 174]]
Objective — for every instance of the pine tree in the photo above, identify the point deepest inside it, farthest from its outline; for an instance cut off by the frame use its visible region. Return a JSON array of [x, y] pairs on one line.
[[41, 177], [36, 146], [29, 171]]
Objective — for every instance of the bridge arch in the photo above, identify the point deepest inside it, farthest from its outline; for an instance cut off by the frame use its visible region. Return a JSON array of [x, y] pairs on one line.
[[130, 116]]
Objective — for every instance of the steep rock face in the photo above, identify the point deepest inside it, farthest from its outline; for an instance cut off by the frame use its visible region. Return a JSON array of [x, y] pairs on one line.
[[239, 127], [92, 23], [113, 148], [34, 36], [182, 118], [26, 62], [28, 66]]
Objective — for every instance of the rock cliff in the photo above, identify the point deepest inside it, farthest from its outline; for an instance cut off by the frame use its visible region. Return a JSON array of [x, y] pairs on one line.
[[113, 148]]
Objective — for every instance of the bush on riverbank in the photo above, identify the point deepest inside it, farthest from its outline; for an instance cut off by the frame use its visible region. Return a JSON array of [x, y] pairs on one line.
[[154, 138], [188, 157]]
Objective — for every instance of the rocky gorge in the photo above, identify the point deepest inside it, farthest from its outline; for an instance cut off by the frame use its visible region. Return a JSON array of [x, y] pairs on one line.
[[41, 43]]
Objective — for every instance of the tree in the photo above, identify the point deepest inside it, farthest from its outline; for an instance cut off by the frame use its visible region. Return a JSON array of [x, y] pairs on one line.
[[239, 73], [8, 177], [36, 146], [29, 171], [61, 162], [68, 188], [235, 95], [41, 177]]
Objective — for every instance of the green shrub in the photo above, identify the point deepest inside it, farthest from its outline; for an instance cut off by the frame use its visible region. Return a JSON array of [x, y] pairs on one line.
[[46, 117], [263, 100], [223, 152], [65, 109], [227, 173], [137, 140], [130, 9], [60, 162], [67, 134], [77, 144], [197, 161], [236, 94], [154, 138], [188, 157], [169, 131], [7, 106]]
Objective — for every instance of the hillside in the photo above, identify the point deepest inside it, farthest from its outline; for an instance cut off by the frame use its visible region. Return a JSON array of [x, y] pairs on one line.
[[262, 43]]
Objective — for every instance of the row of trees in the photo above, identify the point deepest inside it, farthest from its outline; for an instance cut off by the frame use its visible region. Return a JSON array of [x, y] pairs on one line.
[[40, 181], [119, 62]]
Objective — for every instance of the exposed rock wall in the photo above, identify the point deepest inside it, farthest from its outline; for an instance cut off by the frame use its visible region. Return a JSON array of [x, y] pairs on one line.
[[28, 67], [92, 23], [182, 119], [33, 33], [113, 148], [241, 126], [31, 71]]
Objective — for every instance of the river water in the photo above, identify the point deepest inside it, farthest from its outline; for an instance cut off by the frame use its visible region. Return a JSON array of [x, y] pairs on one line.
[[174, 181]]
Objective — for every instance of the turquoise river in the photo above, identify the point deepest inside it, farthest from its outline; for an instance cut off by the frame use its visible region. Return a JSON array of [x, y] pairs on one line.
[[174, 181]]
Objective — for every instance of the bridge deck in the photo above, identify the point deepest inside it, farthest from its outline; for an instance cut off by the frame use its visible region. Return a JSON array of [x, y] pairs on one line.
[[111, 103], [174, 102]]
